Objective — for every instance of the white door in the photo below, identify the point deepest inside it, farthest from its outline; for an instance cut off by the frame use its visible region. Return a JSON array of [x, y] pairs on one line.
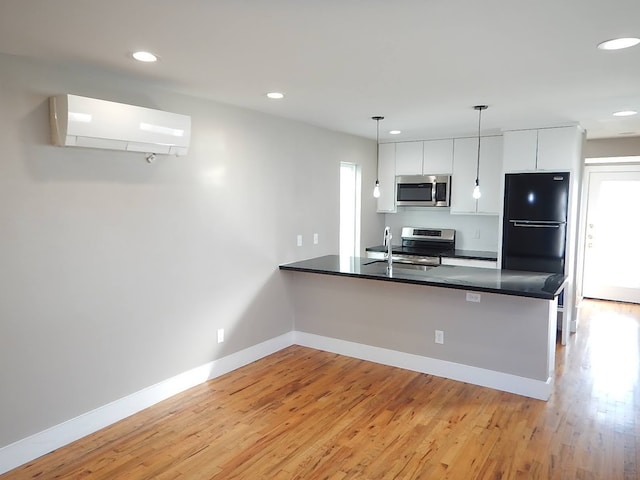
[[612, 243]]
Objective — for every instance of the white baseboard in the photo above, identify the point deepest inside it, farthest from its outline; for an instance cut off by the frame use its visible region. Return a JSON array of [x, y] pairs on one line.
[[34, 446], [41, 443], [441, 368]]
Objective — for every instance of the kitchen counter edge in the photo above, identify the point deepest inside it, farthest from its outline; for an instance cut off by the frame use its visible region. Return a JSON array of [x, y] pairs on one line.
[[514, 283]]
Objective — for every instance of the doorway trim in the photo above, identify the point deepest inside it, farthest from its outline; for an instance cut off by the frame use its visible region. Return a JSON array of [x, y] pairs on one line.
[[595, 165]]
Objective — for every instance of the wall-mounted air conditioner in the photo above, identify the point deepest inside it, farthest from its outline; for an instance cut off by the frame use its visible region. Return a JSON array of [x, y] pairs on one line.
[[89, 122]]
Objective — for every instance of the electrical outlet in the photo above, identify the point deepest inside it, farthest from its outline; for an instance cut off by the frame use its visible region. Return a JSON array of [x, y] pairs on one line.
[[473, 297], [439, 337], [315, 238], [220, 335], [299, 240]]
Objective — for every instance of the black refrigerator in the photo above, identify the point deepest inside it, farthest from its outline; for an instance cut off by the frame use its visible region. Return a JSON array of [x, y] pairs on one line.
[[535, 221]]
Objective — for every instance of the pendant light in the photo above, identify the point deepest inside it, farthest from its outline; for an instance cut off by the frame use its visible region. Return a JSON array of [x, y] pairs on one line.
[[476, 189], [376, 188]]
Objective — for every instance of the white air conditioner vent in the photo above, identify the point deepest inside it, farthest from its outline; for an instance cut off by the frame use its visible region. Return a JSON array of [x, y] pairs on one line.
[[88, 122]]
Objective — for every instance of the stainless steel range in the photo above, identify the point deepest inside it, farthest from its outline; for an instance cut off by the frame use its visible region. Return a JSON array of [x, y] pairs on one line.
[[421, 247]]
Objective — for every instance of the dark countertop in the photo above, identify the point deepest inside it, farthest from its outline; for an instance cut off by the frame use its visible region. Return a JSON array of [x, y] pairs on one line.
[[505, 282], [467, 254]]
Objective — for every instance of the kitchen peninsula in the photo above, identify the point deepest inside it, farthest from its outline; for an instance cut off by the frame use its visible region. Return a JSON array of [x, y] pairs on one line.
[[497, 327]]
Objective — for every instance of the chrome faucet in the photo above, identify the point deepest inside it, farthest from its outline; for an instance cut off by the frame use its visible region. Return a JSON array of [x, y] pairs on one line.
[[386, 241]]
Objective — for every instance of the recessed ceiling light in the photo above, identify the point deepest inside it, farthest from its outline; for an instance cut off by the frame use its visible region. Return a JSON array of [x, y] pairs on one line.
[[275, 95], [395, 132], [625, 113], [145, 57], [619, 43]]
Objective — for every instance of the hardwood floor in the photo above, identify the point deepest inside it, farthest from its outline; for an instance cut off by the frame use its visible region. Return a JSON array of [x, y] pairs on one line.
[[307, 414]]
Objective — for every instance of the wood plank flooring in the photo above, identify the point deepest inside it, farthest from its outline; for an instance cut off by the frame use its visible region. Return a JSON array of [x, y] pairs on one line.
[[307, 414]]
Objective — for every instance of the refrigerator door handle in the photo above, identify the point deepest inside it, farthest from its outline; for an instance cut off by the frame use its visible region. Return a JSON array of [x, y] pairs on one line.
[[517, 223]]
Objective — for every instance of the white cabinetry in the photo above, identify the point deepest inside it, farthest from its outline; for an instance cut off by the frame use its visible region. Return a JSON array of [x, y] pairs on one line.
[[431, 157], [559, 148], [465, 157], [520, 150], [490, 202], [544, 149], [409, 158], [438, 157], [387, 177], [465, 152]]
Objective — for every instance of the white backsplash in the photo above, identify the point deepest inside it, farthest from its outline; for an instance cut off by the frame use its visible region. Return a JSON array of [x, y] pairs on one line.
[[468, 227]]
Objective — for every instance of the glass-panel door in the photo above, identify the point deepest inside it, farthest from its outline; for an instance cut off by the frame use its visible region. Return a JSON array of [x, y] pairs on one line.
[[612, 252]]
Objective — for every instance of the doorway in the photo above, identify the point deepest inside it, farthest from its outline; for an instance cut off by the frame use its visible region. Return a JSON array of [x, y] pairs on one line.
[[350, 181], [612, 233]]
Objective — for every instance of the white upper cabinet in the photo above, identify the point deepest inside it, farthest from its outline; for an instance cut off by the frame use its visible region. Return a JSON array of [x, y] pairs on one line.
[[465, 152], [520, 150], [465, 158], [490, 202], [409, 158], [430, 157], [387, 177], [438, 157], [559, 148], [550, 149]]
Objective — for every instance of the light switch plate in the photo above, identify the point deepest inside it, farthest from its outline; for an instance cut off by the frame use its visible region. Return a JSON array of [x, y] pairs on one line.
[[299, 240]]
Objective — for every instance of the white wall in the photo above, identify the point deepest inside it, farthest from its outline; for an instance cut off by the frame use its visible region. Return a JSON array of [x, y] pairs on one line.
[[466, 226], [116, 274]]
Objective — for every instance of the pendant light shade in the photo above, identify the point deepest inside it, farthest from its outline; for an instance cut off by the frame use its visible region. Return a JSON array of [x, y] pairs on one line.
[[476, 188], [376, 188]]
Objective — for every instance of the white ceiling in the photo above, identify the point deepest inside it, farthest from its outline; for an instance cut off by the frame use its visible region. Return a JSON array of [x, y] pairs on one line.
[[422, 64]]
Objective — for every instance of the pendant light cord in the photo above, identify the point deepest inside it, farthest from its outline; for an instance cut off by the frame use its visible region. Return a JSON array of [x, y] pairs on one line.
[[377, 146], [376, 189], [377, 119], [478, 162], [479, 108]]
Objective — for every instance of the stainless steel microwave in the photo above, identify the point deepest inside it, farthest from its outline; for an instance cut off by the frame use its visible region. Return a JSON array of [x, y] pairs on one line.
[[423, 190]]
